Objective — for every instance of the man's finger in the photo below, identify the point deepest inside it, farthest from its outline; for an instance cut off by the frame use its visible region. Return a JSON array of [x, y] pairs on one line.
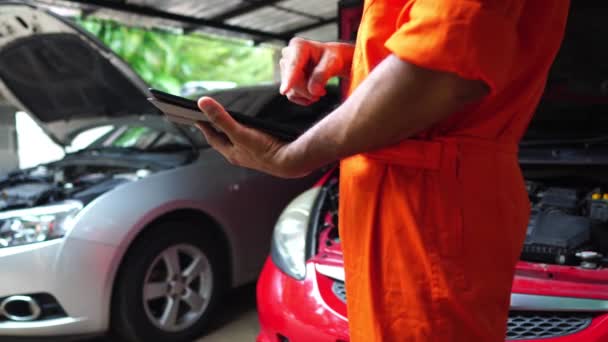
[[218, 116], [298, 98], [213, 137], [292, 68], [300, 101], [300, 91], [292, 73], [323, 71]]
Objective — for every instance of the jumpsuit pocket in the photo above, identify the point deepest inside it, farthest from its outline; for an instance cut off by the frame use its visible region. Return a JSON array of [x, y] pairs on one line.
[[450, 216], [450, 268]]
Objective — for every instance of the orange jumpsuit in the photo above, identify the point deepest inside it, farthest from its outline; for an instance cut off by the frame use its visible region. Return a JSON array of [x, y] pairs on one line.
[[432, 227]]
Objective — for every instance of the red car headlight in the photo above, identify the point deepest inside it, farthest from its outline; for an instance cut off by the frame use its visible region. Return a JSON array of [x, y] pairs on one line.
[[288, 250]]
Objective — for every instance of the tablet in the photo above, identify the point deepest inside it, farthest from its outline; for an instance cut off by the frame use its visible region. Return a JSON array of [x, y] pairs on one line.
[[185, 111]]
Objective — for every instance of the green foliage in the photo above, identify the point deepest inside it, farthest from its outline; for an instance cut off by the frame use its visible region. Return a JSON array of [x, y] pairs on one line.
[[130, 137], [166, 60]]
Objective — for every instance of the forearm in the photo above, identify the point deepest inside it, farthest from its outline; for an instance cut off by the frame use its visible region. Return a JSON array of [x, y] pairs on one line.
[[396, 101]]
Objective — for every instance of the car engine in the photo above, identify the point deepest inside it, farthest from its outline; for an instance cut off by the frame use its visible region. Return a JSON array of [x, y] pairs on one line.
[[56, 182], [568, 224]]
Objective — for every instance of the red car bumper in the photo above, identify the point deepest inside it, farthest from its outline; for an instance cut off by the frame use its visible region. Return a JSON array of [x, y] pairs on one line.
[[298, 311], [309, 310]]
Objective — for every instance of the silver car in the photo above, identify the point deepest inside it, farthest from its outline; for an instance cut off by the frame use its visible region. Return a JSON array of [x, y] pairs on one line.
[[142, 230]]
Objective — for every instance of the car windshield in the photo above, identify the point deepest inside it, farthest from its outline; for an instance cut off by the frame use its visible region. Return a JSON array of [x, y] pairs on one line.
[[128, 137]]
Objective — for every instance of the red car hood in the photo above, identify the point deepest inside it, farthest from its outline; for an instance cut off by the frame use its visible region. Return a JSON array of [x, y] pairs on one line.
[[530, 278]]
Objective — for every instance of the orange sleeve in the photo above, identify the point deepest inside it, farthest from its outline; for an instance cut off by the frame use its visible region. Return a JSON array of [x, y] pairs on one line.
[[465, 37]]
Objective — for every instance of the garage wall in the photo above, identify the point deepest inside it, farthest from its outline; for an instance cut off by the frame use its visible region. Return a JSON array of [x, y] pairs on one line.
[[9, 159]]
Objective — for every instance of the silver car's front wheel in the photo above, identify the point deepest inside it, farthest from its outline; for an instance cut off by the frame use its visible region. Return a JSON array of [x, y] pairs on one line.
[[170, 281], [177, 287]]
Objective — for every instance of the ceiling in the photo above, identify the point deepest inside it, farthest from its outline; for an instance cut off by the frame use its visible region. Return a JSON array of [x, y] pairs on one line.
[[274, 21]]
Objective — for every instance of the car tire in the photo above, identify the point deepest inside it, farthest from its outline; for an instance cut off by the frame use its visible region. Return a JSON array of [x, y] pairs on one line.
[[144, 310]]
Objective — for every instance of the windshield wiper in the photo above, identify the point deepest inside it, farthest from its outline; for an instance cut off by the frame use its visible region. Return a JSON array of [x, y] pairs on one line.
[[110, 149], [169, 148]]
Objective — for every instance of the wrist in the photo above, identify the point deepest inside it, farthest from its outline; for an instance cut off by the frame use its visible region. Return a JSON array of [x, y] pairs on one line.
[[292, 161]]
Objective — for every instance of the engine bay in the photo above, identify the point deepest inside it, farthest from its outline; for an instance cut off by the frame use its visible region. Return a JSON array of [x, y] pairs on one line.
[[568, 222], [51, 183], [568, 225]]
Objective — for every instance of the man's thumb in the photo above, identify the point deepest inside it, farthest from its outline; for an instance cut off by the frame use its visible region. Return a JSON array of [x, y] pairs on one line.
[[324, 70]]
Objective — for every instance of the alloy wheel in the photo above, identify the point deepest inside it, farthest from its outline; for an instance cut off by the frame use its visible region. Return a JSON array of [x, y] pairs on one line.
[[177, 287]]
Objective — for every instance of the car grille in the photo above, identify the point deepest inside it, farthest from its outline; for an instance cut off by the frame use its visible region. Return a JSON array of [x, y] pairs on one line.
[[524, 325], [528, 325]]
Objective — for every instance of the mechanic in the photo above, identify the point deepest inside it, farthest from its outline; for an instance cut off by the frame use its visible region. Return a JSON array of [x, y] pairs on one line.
[[433, 209]]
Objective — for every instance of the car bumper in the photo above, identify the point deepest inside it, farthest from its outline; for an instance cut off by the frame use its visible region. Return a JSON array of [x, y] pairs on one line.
[[296, 311], [75, 273], [307, 310]]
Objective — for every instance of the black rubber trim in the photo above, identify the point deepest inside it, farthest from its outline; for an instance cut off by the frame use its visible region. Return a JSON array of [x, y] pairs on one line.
[[313, 223]]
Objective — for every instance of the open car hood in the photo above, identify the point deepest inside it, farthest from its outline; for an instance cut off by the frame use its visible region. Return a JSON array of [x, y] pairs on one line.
[[61, 75], [575, 101]]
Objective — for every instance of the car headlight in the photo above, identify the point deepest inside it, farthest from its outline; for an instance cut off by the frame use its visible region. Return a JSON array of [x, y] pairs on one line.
[[288, 250], [24, 226]]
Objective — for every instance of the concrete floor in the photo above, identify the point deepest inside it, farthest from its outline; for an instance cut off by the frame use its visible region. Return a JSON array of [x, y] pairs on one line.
[[236, 319]]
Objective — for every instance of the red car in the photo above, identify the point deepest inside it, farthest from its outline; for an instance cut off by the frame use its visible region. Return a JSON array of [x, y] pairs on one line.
[[560, 294], [560, 291]]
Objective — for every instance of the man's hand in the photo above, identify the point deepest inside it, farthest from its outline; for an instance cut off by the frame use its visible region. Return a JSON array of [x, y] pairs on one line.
[[244, 146], [306, 66], [397, 100]]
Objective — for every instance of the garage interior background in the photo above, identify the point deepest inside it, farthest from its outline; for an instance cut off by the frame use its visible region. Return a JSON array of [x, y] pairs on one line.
[[269, 22]]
